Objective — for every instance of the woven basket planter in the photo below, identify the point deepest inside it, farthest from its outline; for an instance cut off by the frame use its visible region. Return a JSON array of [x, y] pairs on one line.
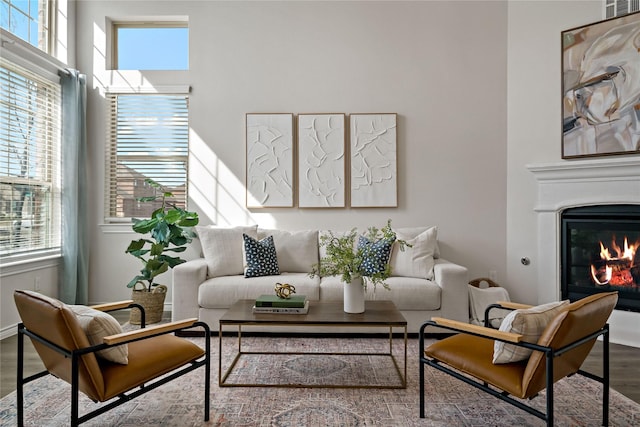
[[153, 303]]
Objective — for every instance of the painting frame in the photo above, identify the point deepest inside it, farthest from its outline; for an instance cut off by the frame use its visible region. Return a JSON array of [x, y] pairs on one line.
[[601, 88], [321, 139], [269, 148], [373, 166]]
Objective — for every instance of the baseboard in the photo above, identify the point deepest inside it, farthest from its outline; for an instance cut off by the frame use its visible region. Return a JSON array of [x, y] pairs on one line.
[[9, 331]]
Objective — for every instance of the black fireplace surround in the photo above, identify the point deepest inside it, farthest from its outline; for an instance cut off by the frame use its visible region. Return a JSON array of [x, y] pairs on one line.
[[599, 253]]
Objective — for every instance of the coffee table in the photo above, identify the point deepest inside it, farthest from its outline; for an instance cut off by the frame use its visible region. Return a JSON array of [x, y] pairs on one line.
[[321, 313]]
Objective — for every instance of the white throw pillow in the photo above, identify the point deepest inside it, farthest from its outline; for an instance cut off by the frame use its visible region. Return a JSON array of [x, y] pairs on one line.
[[297, 250], [96, 325], [530, 323], [223, 248], [417, 260], [411, 232]]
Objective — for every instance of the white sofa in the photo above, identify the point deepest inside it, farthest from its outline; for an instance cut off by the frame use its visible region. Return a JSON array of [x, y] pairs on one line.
[[422, 284]]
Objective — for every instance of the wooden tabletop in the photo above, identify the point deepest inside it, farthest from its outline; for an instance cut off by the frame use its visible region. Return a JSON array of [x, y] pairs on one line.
[[376, 313]]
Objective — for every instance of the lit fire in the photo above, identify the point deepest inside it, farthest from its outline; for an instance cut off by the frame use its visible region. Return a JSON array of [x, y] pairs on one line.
[[618, 269]]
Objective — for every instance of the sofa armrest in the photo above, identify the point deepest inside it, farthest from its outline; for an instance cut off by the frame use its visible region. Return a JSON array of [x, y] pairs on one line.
[[187, 278], [453, 279]]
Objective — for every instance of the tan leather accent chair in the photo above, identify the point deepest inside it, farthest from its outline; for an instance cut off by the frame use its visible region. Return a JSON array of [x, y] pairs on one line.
[[68, 355], [559, 352]]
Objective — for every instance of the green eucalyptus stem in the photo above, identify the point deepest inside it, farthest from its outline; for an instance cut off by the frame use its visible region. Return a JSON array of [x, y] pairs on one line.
[[345, 259]]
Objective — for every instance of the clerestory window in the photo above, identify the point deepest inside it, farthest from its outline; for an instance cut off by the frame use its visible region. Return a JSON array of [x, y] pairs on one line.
[[28, 19], [151, 46]]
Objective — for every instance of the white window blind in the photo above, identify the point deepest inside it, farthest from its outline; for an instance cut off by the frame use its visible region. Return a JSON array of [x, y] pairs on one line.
[[148, 137], [29, 161], [615, 8]]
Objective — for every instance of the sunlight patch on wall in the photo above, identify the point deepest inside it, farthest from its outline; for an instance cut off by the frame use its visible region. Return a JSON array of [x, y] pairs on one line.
[[99, 58], [61, 50], [214, 190]]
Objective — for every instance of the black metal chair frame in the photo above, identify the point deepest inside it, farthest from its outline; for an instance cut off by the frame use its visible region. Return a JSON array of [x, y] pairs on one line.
[[75, 355], [550, 355]]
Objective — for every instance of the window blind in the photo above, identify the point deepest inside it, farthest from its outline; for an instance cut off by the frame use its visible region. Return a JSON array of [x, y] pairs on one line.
[[615, 8], [29, 161], [148, 137]]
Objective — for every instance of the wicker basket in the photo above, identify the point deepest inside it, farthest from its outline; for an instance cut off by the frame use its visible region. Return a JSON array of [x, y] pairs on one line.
[[153, 303]]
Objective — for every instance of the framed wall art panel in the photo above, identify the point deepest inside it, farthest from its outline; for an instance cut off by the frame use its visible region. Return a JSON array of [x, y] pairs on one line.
[[321, 161], [601, 88], [269, 161], [373, 148]]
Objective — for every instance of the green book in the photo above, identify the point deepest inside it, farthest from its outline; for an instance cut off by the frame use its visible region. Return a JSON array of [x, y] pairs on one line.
[[296, 301]]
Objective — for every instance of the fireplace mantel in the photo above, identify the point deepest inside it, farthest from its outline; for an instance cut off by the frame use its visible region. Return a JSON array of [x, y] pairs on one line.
[[611, 180], [586, 182]]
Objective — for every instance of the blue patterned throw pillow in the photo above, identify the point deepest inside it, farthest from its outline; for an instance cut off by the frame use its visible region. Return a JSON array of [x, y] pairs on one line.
[[261, 257], [376, 254]]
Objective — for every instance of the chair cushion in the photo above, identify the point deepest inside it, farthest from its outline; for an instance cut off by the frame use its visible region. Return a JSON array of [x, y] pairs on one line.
[[97, 325], [261, 257], [222, 248], [530, 323], [148, 359], [455, 352]]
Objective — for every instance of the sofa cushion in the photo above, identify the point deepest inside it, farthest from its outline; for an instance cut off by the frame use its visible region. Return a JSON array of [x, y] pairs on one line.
[[375, 254], [407, 293], [222, 292], [297, 250], [262, 259], [412, 232], [530, 323], [222, 248], [417, 260], [96, 325]]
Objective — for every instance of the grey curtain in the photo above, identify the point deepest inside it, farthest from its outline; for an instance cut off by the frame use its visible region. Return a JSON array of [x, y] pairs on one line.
[[74, 280]]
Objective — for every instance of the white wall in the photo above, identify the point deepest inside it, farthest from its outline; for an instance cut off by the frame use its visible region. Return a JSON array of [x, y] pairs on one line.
[[534, 124], [534, 135], [440, 65], [476, 86]]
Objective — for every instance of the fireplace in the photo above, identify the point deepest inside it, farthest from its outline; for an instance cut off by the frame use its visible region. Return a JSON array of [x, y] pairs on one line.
[[565, 185], [599, 252]]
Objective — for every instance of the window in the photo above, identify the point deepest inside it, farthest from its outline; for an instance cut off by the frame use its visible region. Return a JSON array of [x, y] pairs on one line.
[[615, 8], [161, 46], [29, 160], [27, 19], [148, 137]]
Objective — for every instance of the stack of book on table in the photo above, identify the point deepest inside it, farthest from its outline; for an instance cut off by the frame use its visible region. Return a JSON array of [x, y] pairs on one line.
[[295, 304]]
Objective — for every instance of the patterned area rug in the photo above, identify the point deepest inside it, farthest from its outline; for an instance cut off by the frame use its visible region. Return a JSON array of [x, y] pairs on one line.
[[449, 401]]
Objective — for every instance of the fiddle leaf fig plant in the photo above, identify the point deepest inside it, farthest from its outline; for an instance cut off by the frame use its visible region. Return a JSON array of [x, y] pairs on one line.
[[169, 230]]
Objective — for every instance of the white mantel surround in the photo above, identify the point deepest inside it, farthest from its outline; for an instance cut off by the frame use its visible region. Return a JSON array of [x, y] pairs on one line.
[[612, 180]]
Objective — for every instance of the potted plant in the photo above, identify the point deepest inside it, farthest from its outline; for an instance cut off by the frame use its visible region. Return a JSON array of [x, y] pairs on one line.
[[169, 228], [358, 262]]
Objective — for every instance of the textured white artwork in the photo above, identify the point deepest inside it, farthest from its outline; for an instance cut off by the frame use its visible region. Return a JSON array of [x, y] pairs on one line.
[[269, 160], [321, 163], [373, 160]]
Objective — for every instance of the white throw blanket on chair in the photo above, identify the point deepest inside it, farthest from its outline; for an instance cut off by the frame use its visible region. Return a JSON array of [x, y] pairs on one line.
[[480, 299]]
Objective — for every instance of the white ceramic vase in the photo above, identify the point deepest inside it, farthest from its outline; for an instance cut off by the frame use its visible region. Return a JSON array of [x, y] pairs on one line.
[[354, 296]]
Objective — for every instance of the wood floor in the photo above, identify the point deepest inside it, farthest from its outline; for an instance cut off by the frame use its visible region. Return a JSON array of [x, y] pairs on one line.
[[624, 366]]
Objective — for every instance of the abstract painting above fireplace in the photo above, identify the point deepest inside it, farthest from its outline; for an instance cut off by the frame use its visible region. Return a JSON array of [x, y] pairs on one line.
[[599, 252]]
